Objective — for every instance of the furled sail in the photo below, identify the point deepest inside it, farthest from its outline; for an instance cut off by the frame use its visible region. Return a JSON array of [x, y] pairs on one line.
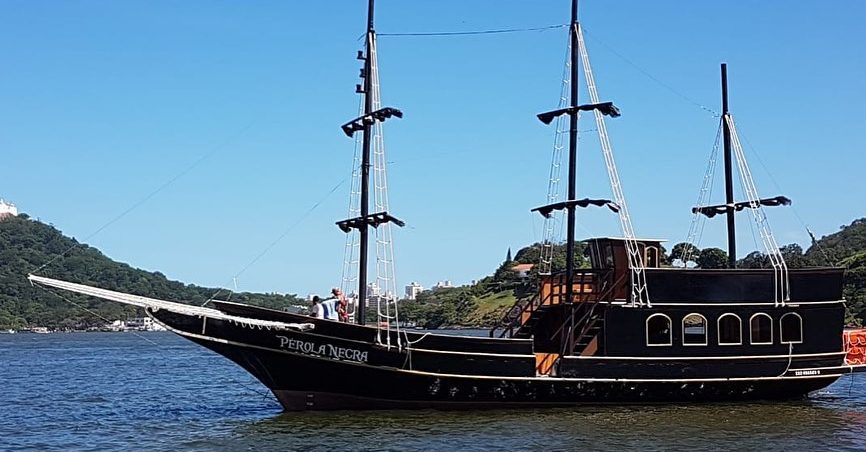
[[154, 304], [711, 211]]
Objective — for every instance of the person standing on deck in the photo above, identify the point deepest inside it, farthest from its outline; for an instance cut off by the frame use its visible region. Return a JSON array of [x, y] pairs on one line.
[[317, 310], [342, 304]]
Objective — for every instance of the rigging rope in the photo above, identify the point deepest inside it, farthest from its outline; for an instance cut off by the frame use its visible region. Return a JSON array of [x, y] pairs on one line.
[[747, 183], [474, 32], [385, 269], [682, 96], [792, 206], [349, 271], [639, 291], [155, 304], [552, 226], [610, 49], [91, 312], [696, 229], [150, 195], [278, 239], [263, 394]]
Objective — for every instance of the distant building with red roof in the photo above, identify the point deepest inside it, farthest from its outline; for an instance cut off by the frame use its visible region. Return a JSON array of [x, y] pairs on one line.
[[523, 269]]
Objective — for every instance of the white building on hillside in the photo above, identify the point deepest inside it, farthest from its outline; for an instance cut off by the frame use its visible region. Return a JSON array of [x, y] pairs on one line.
[[7, 209], [443, 284], [413, 289]]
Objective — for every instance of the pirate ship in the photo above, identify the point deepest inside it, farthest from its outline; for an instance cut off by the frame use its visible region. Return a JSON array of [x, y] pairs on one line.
[[627, 330]]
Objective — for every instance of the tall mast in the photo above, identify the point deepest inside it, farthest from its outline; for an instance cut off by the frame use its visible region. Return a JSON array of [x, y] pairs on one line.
[[729, 184], [361, 313], [572, 110], [366, 123], [572, 157], [753, 202]]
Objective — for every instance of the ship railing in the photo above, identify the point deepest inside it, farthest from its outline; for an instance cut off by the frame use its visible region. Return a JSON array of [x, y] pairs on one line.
[[588, 313], [588, 285], [581, 313]]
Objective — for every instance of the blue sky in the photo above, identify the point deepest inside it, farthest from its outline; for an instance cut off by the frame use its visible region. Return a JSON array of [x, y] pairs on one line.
[[103, 102]]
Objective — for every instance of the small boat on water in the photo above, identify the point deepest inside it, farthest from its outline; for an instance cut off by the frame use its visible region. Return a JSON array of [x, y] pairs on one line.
[[628, 330], [35, 330]]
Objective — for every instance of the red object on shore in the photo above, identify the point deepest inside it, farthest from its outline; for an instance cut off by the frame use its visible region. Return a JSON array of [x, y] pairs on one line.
[[855, 345]]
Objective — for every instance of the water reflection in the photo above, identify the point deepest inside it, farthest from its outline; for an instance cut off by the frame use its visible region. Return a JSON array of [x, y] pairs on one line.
[[774, 426], [115, 391]]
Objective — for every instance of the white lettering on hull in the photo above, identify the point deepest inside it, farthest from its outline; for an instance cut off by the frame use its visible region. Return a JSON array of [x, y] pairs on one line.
[[323, 350]]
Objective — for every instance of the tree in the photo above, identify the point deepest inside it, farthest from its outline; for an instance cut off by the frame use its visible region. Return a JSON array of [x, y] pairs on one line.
[[855, 288], [505, 273], [755, 259], [712, 258], [794, 257], [532, 255], [833, 248], [684, 253], [664, 258], [27, 244]]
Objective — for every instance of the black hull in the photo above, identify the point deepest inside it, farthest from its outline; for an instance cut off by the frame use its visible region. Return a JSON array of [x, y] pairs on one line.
[[308, 383], [310, 371]]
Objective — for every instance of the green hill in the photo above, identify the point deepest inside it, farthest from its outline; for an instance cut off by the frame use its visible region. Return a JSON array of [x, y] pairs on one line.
[[484, 303], [26, 244], [846, 248]]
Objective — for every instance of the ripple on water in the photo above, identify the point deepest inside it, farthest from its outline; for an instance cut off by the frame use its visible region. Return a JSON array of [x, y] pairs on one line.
[[117, 391]]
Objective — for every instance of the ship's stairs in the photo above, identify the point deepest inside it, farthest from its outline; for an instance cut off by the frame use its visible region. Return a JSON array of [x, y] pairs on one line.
[[556, 326]]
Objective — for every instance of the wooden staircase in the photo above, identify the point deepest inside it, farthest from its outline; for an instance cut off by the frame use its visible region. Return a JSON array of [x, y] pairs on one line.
[[545, 316]]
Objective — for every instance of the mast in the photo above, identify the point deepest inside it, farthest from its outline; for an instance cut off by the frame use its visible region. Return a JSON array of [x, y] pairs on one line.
[[572, 110], [733, 148], [572, 158], [361, 312], [729, 184], [366, 123]]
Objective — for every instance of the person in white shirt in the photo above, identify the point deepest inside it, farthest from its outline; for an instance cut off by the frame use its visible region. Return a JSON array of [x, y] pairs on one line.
[[317, 310]]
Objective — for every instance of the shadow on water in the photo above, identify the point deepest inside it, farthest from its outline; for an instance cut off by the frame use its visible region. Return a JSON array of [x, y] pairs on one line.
[[773, 426]]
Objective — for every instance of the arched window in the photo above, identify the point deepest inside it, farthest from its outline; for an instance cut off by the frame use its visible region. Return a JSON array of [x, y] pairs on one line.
[[658, 330], [652, 257], [730, 330], [694, 330], [791, 328], [761, 329]]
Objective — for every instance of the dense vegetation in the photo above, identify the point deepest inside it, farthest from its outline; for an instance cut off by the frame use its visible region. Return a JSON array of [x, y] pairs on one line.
[[484, 303], [25, 245]]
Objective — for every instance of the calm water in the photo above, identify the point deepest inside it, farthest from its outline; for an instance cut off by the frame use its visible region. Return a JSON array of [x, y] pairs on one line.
[[98, 391]]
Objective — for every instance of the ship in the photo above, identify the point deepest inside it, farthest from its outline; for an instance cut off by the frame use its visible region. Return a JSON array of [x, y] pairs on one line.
[[628, 330]]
